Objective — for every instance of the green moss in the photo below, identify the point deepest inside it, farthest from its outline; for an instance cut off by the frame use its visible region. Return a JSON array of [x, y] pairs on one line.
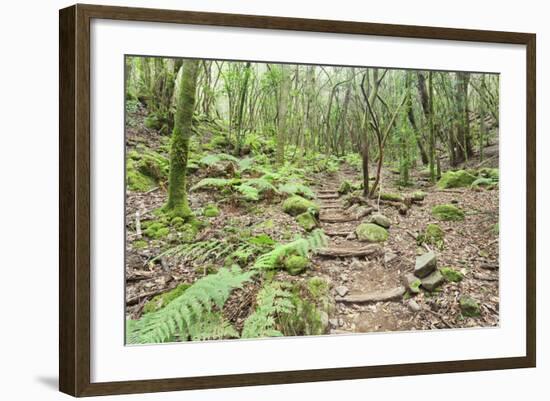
[[296, 205], [487, 172], [140, 244], [161, 300], [306, 318], [296, 264], [418, 195], [136, 181], [451, 275], [262, 240], [177, 222], [483, 182], [156, 230], [307, 221], [388, 196], [433, 234], [469, 306], [211, 211], [153, 165], [456, 179], [371, 233], [448, 212], [188, 232]]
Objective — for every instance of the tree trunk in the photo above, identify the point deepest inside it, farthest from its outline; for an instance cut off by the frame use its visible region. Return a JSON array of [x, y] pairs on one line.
[[177, 204], [282, 115]]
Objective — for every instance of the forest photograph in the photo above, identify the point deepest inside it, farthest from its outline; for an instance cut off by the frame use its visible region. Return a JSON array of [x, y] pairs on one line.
[[271, 200]]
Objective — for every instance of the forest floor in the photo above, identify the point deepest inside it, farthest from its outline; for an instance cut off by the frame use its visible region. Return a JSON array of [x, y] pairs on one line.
[[470, 246]]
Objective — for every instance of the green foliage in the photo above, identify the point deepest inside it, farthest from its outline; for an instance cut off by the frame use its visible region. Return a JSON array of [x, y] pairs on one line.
[[140, 244], [214, 183], [448, 212], [272, 300], [212, 159], [455, 179], [136, 181], [294, 188], [345, 187], [262, 240], [161, 300], [318, 287], [305, 317], [451, 275], [300, 246], [487, 172], [249, 192], [193, 314], [249, 188]]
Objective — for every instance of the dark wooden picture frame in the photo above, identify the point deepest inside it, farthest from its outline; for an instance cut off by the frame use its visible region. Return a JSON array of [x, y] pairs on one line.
[[74, 199]]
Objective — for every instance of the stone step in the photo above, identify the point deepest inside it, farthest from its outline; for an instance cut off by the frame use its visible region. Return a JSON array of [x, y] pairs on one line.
[[336, 219], [338, 233], [394, 294], [349, 252], [328, 196]]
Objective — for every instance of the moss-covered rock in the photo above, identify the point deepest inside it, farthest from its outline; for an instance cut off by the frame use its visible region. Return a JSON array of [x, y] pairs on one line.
[[307, 221], [448, 212], [456, 179], [433, 234], [177, 221], [211, 211], [487, 172], [371, 233], [136, 181], [296, 205], [388, 196], [469, 306], [295, 264], [161, 300], [451, 275], [380, 220], [418, 196]]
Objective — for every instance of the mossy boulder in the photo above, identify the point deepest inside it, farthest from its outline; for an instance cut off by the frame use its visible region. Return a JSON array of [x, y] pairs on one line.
[[161, 300], [448, 212], [137, 181], [433, 281], [456, 179], [451, 275], [418, 196], [211, 211], [487, 172], [295, 264], [307, 221], [380, 220], [156, 230], [469, 306], [392, 197], [296, 205], [433, 234], [370, 232]]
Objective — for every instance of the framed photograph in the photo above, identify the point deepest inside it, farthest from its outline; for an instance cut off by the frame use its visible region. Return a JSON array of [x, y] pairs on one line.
[[249, 200]]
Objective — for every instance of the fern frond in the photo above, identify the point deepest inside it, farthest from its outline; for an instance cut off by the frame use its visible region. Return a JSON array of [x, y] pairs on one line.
[[249, 193], [300, 246], [293, 188], [271, 300], [211, 159], [186, 316]]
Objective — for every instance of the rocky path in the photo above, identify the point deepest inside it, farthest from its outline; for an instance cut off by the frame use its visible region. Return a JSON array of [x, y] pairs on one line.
[[366, 278]]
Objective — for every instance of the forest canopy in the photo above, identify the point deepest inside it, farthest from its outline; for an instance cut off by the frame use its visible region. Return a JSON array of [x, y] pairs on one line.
[[269, 199]]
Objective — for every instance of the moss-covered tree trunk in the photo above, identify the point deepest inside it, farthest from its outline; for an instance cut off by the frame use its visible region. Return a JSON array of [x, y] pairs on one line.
[[177, 204], [282, 109]]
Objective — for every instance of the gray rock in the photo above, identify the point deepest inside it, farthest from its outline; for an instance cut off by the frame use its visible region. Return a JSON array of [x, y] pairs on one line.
[[411, 283], [413, 306], [433, 281], [389, 256], [425, 264], [381, 220], [334, 323], [469, 306], [341, 290]]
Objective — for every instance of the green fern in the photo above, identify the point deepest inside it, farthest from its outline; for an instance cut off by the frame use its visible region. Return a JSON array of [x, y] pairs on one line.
[[249, 193], [272, 300], [212, 327], [300, 246], [192, 313], [294, 188], [212, 159]]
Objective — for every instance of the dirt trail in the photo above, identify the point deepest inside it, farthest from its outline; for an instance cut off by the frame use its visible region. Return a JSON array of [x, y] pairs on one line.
[[358, 275]]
